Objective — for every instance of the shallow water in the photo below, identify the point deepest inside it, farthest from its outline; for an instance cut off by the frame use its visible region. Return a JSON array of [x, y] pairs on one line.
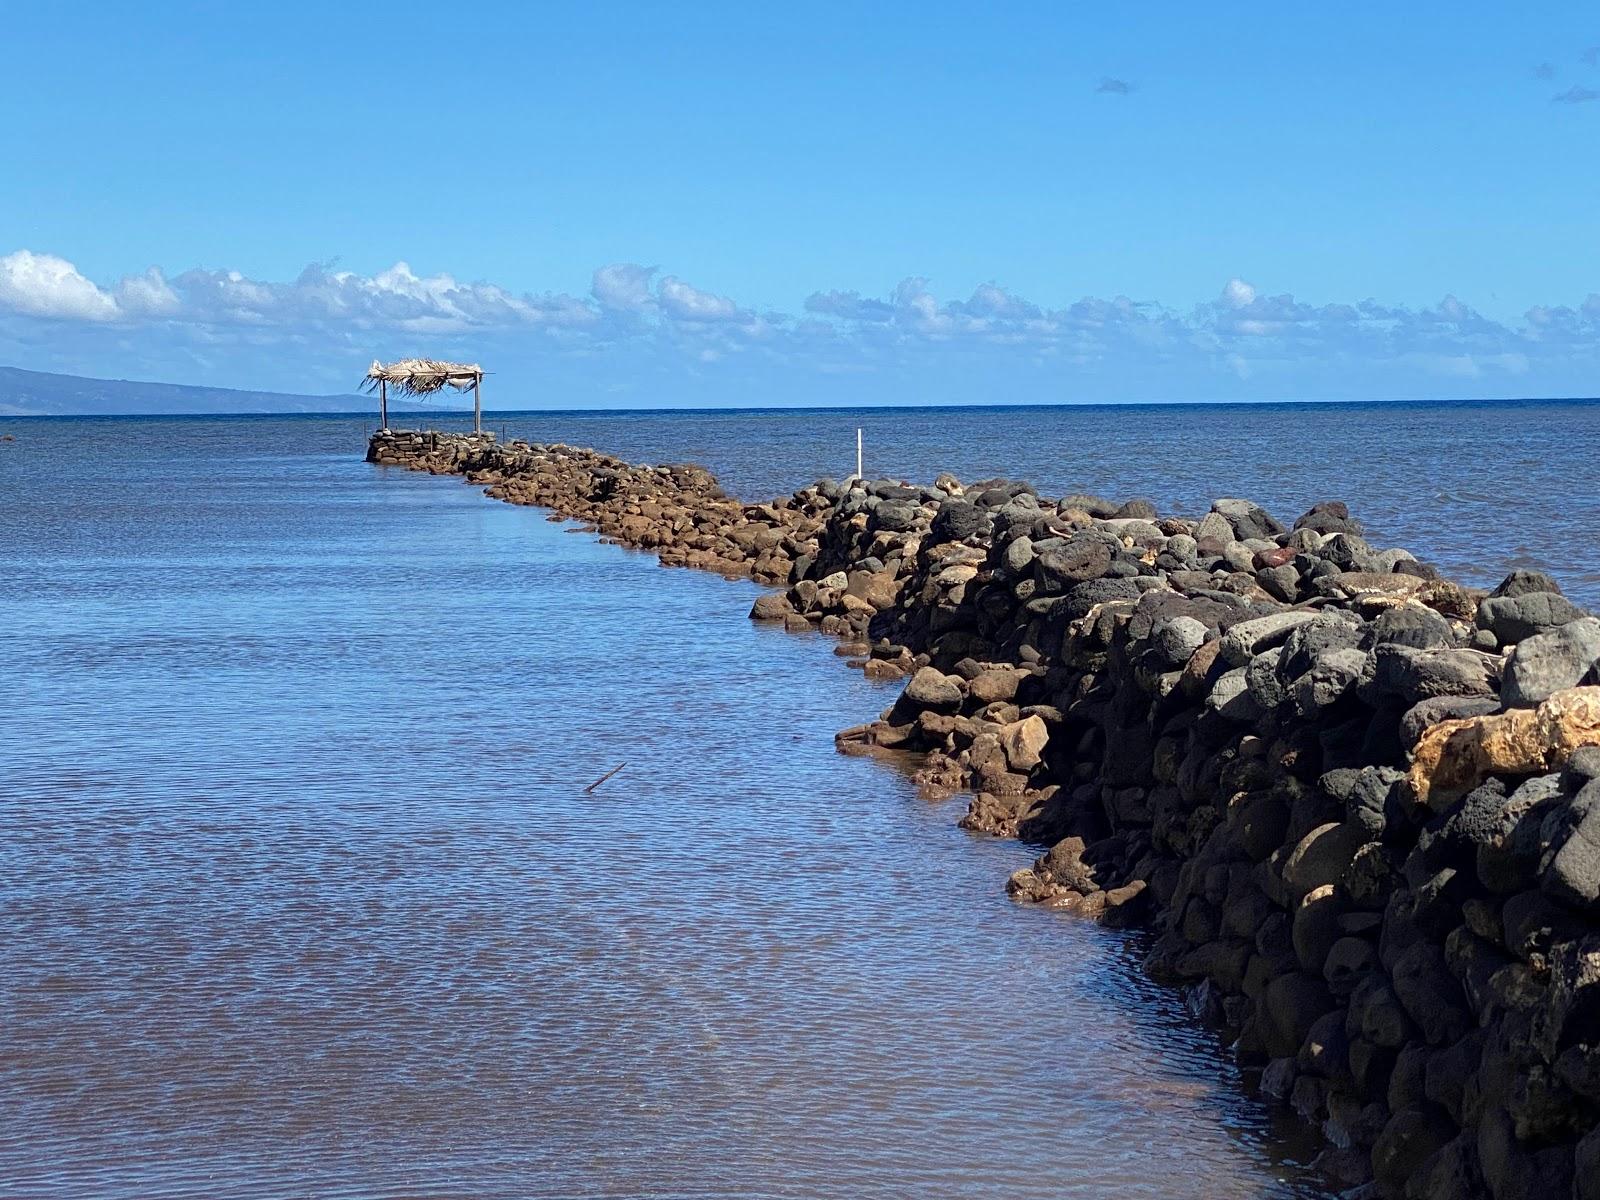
[[302, 894]]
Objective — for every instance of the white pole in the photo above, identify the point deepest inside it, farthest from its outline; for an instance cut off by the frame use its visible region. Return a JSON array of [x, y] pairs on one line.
[[858, 454]]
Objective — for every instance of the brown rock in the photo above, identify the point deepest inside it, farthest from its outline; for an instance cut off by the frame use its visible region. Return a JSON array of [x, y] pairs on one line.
[[774, 606], [1024, 742], [996, 684], [1453, 757]]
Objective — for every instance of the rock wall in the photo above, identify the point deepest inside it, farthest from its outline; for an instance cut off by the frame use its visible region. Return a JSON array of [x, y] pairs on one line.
[[1358, 803]]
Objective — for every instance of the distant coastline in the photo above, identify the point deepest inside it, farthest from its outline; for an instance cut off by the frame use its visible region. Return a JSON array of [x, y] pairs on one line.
[[25, 393]]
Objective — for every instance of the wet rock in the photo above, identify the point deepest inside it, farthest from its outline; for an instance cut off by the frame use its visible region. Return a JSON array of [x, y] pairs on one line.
[[774, 606]]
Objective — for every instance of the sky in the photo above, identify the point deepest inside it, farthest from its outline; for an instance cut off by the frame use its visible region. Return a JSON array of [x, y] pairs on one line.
[[635, 205]]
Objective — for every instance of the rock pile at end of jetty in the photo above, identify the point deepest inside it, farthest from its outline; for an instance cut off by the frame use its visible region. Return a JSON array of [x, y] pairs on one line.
[[1357, 803]]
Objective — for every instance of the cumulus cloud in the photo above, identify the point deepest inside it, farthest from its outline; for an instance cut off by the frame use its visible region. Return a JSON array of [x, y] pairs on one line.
[[1113, 87], [42, 285], [849, 306], [624, 287], [688, 303], [642, 325]]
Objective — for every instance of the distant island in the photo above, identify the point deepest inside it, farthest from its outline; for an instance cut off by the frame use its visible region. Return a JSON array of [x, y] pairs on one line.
[[42, 394]]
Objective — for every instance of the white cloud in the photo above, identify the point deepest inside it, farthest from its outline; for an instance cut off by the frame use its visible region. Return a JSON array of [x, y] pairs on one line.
[[42, 285], [1238, 294], [688, 303], [647, 325], [147, 295], [624, 286]]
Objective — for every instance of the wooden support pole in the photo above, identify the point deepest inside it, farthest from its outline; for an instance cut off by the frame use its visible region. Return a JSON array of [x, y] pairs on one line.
[[477, 405], [383, 403]]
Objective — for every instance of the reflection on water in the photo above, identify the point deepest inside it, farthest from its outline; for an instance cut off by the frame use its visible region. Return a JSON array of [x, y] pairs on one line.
[[302, 895]]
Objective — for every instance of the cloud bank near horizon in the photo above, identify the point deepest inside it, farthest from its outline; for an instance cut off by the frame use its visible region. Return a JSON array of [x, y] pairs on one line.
[[644, 336]]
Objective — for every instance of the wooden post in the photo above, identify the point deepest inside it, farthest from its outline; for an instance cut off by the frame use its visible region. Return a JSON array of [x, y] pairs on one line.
[[858, 454], [477, 405], [383, 403]]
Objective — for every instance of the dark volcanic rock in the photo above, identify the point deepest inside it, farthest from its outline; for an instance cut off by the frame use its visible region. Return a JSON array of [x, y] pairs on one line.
[[959, 521], [1077, 561], [1521, 581], [1516, 616]]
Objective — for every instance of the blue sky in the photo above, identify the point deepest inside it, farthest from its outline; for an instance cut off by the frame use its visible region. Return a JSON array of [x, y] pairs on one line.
[[711, 204]]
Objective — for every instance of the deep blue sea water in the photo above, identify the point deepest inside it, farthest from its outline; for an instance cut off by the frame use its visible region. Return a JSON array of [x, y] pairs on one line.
[[1478, 487], [302, 895]]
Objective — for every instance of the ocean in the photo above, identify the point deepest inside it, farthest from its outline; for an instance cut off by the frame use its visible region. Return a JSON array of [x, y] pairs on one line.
[[303, 895]]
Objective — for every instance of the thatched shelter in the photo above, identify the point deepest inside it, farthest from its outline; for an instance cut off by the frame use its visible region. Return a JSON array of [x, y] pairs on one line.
[[424, 377]]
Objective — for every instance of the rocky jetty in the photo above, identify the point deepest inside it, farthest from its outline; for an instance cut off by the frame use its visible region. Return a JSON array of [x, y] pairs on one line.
[[1357, 804]]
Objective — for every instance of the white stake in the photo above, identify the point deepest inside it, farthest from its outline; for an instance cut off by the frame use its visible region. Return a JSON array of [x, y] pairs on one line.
[[858, 454]]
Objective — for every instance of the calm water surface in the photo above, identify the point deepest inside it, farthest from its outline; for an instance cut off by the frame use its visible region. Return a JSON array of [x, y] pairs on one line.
[[302, 896], [1478, 488]]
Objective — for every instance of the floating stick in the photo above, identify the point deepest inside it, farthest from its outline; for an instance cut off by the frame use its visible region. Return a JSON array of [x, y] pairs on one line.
[[603, 778]]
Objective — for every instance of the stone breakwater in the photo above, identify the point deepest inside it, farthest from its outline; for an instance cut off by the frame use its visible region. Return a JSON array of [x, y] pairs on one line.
[[1357, 804]]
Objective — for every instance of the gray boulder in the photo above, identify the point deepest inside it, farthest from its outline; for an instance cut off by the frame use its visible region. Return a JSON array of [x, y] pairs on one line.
[[1409, 625], [931, 689], [1098, 591], [894, 516], [1076, 561], [1414, 675], [1177, 638], [1245, 640], [1330, 678], [1521, 581], [1571, 870], [1548, 662], [1512, 618], [1248, 520]]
